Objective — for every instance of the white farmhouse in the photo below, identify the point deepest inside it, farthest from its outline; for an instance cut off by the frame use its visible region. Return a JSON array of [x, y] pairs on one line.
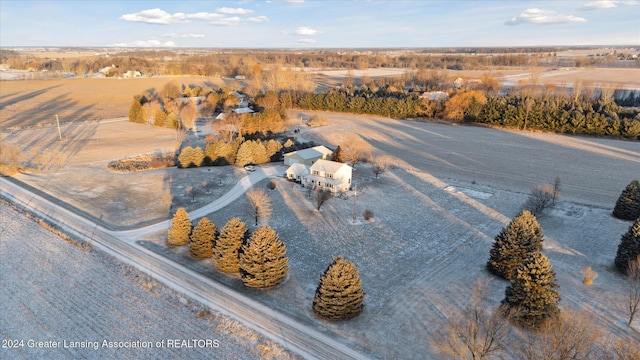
[[323, 174], [329, 175], [308, 156]]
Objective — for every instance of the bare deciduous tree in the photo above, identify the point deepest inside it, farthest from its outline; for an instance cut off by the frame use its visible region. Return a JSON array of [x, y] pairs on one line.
[[476, 333], [259, 205], [188, 115], [380, 164], [207, 185], [321, 196], [633, 275], [192, 192], [355, 150], [181, 136], [543, 197], [572, 335]]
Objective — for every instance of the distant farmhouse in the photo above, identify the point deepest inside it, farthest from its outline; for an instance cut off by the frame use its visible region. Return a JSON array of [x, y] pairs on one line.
[[132, 74], [312, 168]]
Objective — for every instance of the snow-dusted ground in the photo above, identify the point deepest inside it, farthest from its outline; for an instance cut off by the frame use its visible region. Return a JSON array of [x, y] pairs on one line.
[[57, 294], [435, 218]]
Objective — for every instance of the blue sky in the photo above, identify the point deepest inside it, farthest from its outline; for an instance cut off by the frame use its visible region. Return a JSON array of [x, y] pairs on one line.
[[319, 23]]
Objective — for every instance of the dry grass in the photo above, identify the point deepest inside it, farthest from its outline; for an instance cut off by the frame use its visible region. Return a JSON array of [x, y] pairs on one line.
[[143, 162], [589, 275], [33, 103]]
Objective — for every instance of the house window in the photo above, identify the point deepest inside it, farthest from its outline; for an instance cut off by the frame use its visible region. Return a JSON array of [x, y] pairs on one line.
[[330, 176], [316, 172]]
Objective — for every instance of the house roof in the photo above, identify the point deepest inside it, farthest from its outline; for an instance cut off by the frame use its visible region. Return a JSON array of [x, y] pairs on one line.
[[331, 167], [298, 169], [311, 153], [243, 110]]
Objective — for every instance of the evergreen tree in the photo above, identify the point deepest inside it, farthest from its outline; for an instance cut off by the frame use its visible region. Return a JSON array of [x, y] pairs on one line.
[[522, 236], [252, 152], [532, 296], [263, 261], [629, 247], [161, 118], [337, 155], [180, 229], [191, 157], [202, 239], [628, 204], [135, 112], [225, 251], [339, 295]]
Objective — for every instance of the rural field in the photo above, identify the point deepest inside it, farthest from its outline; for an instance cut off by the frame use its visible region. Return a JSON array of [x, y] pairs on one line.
[[56, 292], [435, 216]]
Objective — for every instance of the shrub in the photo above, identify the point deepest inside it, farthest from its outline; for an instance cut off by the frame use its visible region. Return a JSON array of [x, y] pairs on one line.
[[543, 197], [271, 185], [588, 275], [368, 214], [142, 163], [316, 120]]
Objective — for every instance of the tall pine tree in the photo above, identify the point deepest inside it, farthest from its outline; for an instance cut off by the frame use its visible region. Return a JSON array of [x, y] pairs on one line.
[[629, 247], [521, 237], [263, 261], [628, 204], [532, 296], [180, 229], [202, 239], [225, 251], [339, 295]]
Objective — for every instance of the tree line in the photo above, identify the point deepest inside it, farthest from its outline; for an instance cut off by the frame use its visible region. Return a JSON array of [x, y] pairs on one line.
[[241, 62], [553, 113]]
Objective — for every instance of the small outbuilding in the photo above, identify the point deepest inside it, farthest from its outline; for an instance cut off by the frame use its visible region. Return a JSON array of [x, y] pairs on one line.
[[308, 156]]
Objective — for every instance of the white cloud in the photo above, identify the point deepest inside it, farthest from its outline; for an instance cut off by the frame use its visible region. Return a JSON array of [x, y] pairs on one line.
[[258, 19], [159, 16], [146, 43], [155, 16], [184, 36], [227, 21], [605, 4], [303, 30], [543, 17], [306, 41], [205, 16], [233, 11]]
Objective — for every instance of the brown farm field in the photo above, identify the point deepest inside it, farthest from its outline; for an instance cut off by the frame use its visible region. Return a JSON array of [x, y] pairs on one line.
[[31, 103]]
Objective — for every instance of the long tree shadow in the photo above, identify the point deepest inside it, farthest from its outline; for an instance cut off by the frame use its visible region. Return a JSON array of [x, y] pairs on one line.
[[29, 96], [45, 114]]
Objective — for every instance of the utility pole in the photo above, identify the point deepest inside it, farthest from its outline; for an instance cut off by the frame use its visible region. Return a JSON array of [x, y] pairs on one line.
[[59, 132], [355, 195]]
